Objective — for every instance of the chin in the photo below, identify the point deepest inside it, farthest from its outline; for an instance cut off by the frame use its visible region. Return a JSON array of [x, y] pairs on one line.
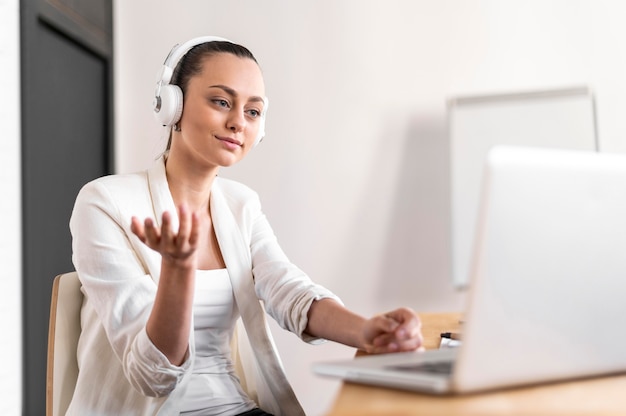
[[229, 161]]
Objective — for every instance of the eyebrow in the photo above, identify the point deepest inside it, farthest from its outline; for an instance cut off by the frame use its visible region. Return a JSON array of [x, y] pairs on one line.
[[232, 92]]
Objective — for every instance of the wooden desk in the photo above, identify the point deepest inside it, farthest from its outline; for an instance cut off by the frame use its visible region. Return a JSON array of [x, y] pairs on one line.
[[597, 396]]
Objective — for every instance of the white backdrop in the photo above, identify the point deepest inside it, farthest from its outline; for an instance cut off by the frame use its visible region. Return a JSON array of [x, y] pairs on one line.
[[10, 208], [354, 170]]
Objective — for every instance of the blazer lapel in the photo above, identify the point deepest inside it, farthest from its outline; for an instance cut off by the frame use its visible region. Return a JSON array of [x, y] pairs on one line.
[[160, 193], [162, 201], [236, 254]]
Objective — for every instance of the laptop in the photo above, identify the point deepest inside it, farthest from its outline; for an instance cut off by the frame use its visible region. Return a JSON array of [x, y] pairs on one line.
[[547, 292]]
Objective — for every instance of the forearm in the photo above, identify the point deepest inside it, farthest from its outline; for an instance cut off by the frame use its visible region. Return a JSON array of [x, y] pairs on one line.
[[170, 320], [330, 320], [398, 330]]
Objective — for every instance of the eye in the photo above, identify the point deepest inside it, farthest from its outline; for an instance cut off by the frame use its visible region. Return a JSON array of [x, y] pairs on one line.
[[254, 113], [220, 102]]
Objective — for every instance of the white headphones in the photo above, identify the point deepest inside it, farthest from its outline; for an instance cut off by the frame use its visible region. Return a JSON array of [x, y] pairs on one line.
[[168, 99]]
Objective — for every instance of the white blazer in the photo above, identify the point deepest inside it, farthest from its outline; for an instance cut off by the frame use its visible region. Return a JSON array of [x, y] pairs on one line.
[[120, 370]]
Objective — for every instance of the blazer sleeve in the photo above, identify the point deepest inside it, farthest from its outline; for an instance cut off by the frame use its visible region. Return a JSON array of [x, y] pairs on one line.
[[287, 292], [117, 283]]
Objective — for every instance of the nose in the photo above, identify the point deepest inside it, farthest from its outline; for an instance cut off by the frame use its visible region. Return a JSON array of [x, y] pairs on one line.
[[236, 120]]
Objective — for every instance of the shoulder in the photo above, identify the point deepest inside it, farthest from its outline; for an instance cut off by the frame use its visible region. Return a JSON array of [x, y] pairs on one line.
[[116, 193], [121, 185]]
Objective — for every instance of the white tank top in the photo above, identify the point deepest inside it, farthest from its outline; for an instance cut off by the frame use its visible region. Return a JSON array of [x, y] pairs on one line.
[[213, 388]]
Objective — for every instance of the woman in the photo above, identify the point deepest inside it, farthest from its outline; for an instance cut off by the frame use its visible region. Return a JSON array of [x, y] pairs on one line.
[[170, 258]]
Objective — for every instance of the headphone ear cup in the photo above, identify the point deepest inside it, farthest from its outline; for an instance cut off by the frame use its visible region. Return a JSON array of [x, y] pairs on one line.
[[261, 133], [171, 105]]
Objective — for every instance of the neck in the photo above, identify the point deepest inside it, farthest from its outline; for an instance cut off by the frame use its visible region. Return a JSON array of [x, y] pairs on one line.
[[190, 184]]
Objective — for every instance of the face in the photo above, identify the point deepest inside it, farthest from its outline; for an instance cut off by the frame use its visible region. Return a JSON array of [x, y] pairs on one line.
[[221, 112]]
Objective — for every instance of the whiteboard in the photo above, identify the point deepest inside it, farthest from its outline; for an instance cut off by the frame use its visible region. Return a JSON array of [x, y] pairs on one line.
[[563, 118]]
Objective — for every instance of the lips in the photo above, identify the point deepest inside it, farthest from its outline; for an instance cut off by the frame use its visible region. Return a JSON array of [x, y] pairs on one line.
[[229, 140]]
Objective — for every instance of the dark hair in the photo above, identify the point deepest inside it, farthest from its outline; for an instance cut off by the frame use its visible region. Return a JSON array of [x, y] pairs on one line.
[[191, 63]]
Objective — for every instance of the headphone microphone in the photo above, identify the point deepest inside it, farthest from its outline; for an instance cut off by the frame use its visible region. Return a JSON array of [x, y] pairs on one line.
[[167, 105]]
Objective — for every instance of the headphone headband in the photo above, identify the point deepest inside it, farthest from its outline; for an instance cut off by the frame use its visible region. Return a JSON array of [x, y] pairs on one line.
[[178, 51]]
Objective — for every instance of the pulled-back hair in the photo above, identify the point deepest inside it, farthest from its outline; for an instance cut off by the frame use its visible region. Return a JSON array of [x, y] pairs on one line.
[[190, 64]]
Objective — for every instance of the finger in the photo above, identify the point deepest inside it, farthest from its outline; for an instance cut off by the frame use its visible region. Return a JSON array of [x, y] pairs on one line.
[[405, 337], [184, 227], [403, 315], [137, 228], [194, 234], [167, 236], [383, 340], [151, 233], [409, 335], [410, 324], [376, 332], [411, 344], [410, 329], [377, 326], [386, 343], [389, 338], [386, 323]]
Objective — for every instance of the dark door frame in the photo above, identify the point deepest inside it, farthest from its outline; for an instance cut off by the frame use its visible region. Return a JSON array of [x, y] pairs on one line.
[[51, 84]]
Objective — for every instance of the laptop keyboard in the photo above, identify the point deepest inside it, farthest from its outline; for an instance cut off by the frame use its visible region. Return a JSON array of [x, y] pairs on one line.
[[436, 367]]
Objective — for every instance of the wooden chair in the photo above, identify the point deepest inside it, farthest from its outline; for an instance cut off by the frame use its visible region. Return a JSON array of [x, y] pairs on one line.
[[63, 333]]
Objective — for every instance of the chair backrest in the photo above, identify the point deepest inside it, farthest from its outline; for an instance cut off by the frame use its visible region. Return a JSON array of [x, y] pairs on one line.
[[63, 334]]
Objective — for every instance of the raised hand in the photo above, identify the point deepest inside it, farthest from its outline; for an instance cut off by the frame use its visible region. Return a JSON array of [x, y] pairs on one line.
[[174, 247]]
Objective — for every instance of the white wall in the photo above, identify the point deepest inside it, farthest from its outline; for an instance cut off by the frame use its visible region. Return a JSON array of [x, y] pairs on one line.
[[353, 172], [10, 212]]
